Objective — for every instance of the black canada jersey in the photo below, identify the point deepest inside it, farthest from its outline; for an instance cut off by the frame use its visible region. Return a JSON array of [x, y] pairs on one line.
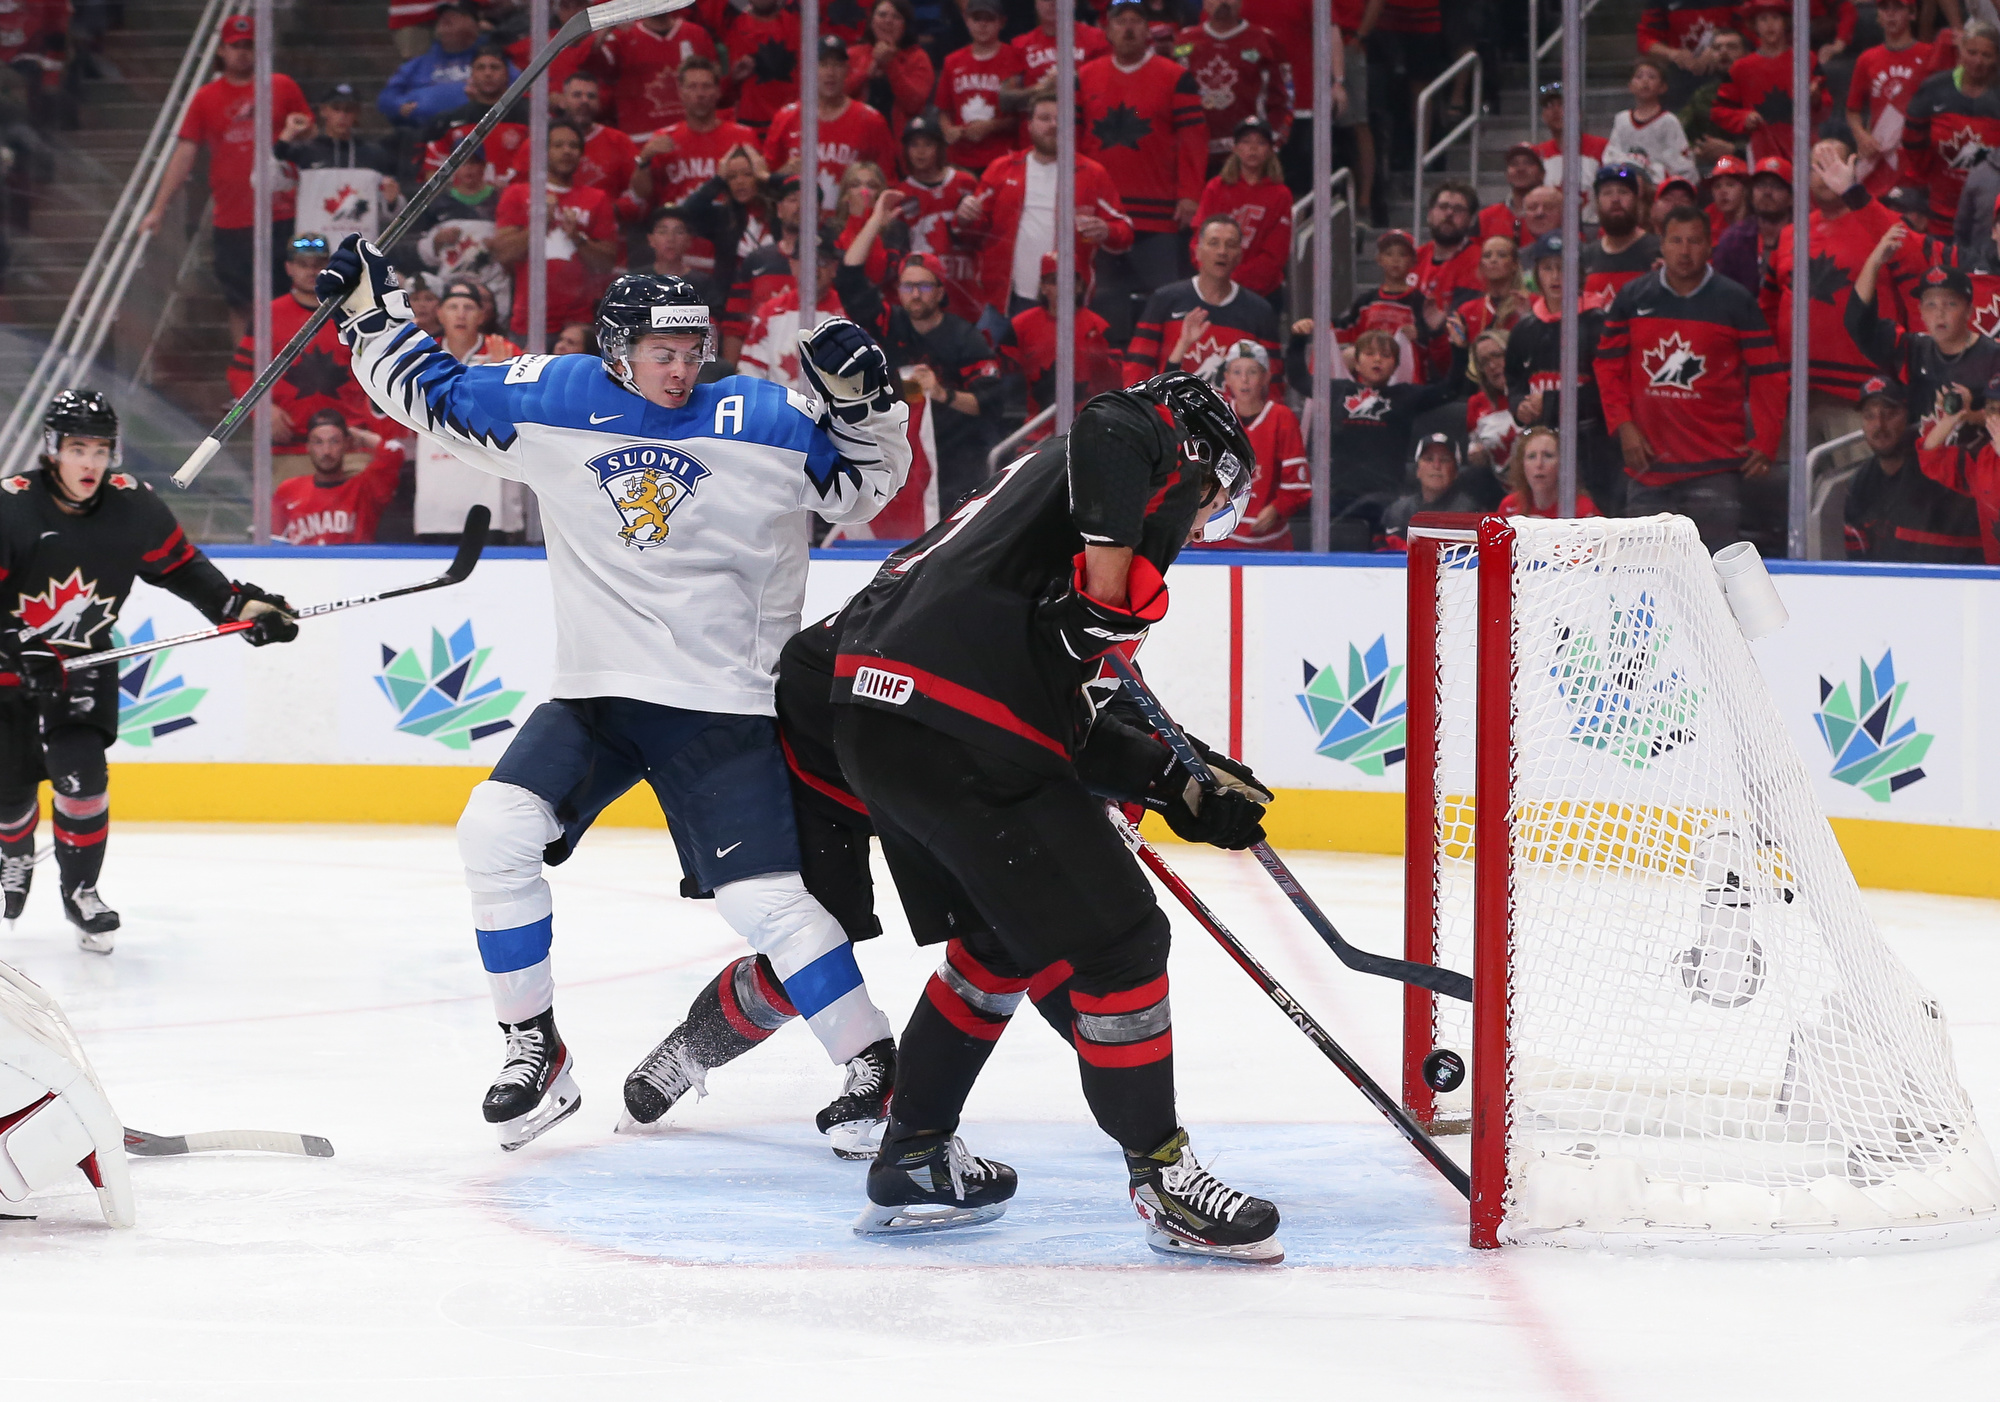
[[945, 634], [1926, 371], [64, 578]]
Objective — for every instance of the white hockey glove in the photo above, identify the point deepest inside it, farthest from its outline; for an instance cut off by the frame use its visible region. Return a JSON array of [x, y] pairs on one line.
[[360, 279], [58, 1121], [847, 370]]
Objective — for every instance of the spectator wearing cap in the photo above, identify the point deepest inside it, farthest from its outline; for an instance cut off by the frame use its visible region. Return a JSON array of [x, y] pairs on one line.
[[1140, 116], [671, 241], [1893, 511], [332, 143], [506, 144], [1952, 118], [323, 376], [462, 323], [1755, 102], [1534, 478], [1240, 73], [1393, 306], [932, 191], [889, 70], [1192, 324], [1014, 213], [1958, 453], [771, 351], [1525, 175], [1534, 369], [676, 162], [1676, 190], [1683, 351], [1437, 487], [1626, 248], [638, 63], [763, 44], [1706, 140], [582, 243], [454, 237], [433, 82], [1946, 357], [1028, 347], [1282, 481], [1728, 197], [978, 126], [849, 131], [326, 506], [765, 269], [219, 118], [1250, 190], [1878, 94], [1646, 134], [1978, 260], [1745, 250], [1589, 147]]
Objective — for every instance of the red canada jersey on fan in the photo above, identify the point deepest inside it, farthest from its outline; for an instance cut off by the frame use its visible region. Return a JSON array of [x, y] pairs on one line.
[[305, 512], [1038, 50], [968, 90], [768, 46], [930, 213], [1146, 129], [643, 69], [1240, 75], [857, 134], [694, 158]]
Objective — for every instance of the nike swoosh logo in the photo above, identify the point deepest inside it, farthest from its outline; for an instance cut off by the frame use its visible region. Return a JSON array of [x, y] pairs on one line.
[[1645, 311], [607, 418], [46, 534], [725, 851]]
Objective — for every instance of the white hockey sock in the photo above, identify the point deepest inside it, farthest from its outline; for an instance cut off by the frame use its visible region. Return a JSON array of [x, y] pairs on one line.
[[501, 835], [812, 956]]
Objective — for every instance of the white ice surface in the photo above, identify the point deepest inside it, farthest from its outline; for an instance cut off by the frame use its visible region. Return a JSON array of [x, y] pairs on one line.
[[324, 980]]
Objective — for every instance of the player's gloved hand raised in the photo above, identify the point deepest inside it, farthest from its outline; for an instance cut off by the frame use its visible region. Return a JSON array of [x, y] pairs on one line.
[[273, 621], [1229, 816], [1084, 628], [40, 670], [359, 277], [847, 369]]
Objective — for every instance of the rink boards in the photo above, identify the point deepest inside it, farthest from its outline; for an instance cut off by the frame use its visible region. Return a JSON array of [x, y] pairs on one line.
[[1885, 678]]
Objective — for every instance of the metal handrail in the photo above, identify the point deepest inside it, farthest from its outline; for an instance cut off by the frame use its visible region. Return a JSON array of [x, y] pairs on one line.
[[190, 260], [101, 288], [1299, 275], [998, 453], [1802, 540], [1472, 123], [1538, 49]]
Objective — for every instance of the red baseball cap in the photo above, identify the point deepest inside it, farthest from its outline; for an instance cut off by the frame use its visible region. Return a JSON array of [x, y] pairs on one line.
[[1731, 167], [239, 29], [1048, 265], [1773, 165], [930, 264], [1680, 180], [1389, 236]]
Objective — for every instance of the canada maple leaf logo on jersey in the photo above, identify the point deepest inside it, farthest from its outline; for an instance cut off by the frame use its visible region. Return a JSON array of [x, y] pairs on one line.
[[1672, 364], [69, 612], [1121, 126], [1986, 316], [1961, 149], [1217, 81], [977, 108], [1366, 406]]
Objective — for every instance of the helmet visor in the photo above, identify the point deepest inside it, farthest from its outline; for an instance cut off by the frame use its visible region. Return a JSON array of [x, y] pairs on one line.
[[1223, 521]]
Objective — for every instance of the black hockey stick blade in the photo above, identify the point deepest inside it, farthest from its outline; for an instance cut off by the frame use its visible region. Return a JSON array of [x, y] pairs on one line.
[[471, 541], [1448, 982], [261, 1141], [586, 21]]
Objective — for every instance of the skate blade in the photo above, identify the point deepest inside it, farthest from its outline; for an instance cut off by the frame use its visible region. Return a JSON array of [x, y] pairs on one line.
[[91, 944], [561, 1101], [913, 1219], [627, 1125], [1251, 1253], [856, 1139]]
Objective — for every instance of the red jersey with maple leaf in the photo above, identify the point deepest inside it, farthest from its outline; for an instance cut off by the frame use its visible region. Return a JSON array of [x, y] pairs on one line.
[[506, 150], [771, 351], [1038, 51], [1682, 368], [1837, 248], [642, 70], [220, 118], [859, 133], [771, 43], [1884, 81], [1762, 84], [1146, 129], [1944, 135], [1919, 254], [321, 378], [306, 512], [930, 213], [1264, 213], [1683, 24], [968, 90], [694, 158], [1239, 75]]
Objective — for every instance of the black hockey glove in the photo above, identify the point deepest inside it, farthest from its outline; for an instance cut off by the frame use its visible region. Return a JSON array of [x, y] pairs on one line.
[[273, 616], [40, 670], [1229, 816], [847, 369], [1085, 628], [360, 278]]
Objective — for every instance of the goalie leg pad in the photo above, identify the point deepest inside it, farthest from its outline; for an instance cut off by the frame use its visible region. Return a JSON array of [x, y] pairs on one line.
[[54, 1118]]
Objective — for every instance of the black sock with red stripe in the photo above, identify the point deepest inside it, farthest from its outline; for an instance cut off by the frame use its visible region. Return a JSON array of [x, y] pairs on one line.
[[1124, 1037], [965, 1008], [81, 826], [741, 1007]]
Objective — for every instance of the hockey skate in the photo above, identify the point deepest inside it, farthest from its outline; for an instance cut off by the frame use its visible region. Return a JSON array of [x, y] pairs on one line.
[[853, 1122], [533, 1090], [95, 921], [656, 1084], [930, 1184], [1188, 1211], [17, 874]]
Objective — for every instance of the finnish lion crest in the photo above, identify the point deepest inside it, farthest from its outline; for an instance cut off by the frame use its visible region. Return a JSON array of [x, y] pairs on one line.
[[647, 482]]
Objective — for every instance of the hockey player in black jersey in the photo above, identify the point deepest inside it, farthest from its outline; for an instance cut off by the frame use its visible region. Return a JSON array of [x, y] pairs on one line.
[[73, 537]]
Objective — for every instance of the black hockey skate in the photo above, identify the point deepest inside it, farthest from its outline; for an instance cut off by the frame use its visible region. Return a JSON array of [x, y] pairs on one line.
[[1188, 1211], [17, 874], [94, 920], [853, 1122], [929, 1183], [533, 1090], [669, 1072]]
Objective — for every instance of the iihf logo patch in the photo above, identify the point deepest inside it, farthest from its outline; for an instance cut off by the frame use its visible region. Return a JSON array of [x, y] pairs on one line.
[[647, 482]]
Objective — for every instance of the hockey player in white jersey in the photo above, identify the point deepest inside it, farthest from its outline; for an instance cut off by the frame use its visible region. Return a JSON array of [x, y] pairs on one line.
[[676, 521]]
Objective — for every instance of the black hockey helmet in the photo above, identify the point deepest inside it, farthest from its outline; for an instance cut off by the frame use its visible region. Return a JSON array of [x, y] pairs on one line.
[[1211, 435], [641, 304], [83, 413]]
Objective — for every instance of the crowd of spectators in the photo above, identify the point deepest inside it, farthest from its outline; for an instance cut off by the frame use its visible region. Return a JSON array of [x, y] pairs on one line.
[[674, 146]]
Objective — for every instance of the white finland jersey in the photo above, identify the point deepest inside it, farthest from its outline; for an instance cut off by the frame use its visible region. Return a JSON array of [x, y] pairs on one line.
[[677, 538]]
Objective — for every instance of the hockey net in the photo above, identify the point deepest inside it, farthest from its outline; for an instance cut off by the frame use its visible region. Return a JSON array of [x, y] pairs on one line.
[[1686, 1028]]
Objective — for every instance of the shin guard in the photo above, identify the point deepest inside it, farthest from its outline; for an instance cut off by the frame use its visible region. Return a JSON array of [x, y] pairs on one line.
[[965, 1008]]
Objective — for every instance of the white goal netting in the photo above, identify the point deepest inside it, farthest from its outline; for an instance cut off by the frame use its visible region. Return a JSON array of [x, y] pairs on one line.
[[1706, 1038]]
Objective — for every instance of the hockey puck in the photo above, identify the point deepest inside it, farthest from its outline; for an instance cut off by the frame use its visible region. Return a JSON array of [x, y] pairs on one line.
[[1444, 1070]]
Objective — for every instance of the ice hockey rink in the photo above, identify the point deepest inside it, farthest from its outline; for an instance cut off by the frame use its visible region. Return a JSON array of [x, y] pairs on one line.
[[324, 980]]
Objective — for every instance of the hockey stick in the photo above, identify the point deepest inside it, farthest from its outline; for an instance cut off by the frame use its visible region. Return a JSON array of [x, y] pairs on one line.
[[1290, 1007], [594, 18], [470, 543], [1446, 981], [262, 1141]]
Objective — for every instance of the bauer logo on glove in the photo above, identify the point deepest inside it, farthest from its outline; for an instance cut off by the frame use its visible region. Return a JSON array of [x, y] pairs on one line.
[[847, 369], [360, 279]]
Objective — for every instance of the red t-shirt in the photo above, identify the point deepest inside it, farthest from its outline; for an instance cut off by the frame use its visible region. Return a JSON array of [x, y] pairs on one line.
[[521, 52], [1038, 51], [219, 118], [305, 513], [694, 158], [858, 134], [643, 71], [1885, 81], [573, 288], [771, 43], [968, 90]]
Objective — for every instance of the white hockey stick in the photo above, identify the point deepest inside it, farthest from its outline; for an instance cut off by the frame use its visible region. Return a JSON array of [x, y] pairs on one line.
[[219, 1141]]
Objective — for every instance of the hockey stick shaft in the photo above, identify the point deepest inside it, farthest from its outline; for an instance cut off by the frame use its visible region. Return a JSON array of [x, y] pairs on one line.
[[1395, 1114], [260, 1141], [1448, 982], [470, 543], [586, 21]]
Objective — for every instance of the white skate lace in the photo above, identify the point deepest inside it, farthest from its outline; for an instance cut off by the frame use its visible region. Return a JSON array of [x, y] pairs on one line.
[[524, 1057], [672, 1070], [864, 1076], [963, 1165], [1200, 1189], [86, 900], [14, 873]]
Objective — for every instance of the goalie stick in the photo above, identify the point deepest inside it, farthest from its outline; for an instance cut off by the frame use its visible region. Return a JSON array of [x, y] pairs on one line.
[[470, 543], [590, 20], [262, 1141], [1291, 1008], [1446, 981]]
